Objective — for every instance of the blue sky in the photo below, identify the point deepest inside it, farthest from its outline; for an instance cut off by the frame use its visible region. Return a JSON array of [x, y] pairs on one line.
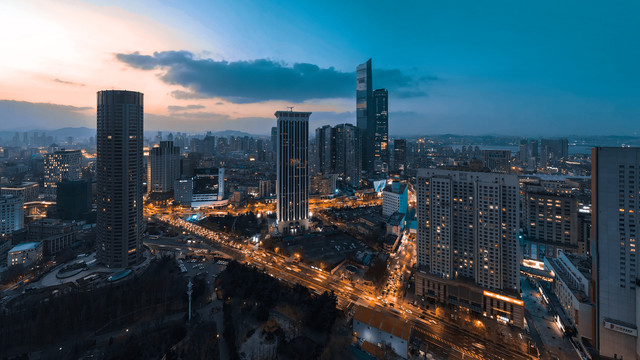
[[465, 67]]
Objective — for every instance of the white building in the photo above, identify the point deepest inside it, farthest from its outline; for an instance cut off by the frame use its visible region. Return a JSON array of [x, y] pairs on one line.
[[60, 166], [25, 253], [11, 214], [615, 202], [380, 328], [395, 198], [572, 275]]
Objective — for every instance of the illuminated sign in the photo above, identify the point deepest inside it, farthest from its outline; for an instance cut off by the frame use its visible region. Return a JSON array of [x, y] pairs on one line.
[[503, 298], [620, 328]]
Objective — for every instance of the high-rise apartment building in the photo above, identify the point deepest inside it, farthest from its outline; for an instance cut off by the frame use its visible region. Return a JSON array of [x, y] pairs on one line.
[[365, 114], [553, 152], [326, 149], [293, 171], [120, 174], [60, 166], [399, 154], [551, 220], [468, 253], [615, 177], [347, 149], [164, 167], [381, 133]]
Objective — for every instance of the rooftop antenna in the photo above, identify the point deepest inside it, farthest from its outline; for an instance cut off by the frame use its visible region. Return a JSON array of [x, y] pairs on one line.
[[290, 108]]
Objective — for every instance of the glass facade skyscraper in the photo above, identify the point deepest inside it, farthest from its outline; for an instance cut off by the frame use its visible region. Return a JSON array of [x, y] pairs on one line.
[[365, 116], [381, 133]]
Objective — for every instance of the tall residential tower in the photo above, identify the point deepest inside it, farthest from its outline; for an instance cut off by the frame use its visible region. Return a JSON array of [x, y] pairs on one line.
[[120, 175]]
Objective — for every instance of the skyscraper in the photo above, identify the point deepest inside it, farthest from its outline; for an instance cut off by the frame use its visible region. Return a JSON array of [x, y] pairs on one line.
[[120, 174], [553, 152], [293, 171], [381, 133], [399, 154], [365, 114], [468, 254], [63, 165], [325, 149], [164, 163], [615, 188], [348, 153]]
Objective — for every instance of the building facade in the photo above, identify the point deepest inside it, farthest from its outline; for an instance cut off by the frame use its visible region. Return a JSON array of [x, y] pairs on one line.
[[74, 200], [25, 254], [468, 253], [27, 191], [11, 214], [399, 154], [381, 133], [615, 177], [208, 187], [395, 198], [497, 160], [120, 175], [365, 114], [60, 166], [164, 163], [553, 152], [292, 191]]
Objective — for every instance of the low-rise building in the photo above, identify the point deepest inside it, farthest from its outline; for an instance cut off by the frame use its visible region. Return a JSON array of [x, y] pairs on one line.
[[25, 253], [54, 234], [27, 191], [571, 278], [395, 198], [380, 328]]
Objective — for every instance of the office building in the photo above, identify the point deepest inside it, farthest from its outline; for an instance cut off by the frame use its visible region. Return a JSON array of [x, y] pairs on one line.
[[399, 154], [381, 133], [74, 200], [365, 114], [497, 160], [208, 187], [25, 254], [553, 152], [395, 198], [54, 234], [59, 166], [292, 191], [183, 191], [528, 152], [615, 188], [551, 221], [27, 191], [164, 168], [264, 188], [120, 174], [11, 214], [468, 253]]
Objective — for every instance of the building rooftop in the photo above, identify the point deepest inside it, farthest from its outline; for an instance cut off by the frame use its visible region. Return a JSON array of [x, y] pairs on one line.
[[385, 322], [24, 246]]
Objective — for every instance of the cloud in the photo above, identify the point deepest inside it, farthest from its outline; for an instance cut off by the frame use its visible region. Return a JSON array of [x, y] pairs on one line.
[[199, 122], [262, 79], [68, 82], [24, 115], [174, 108]]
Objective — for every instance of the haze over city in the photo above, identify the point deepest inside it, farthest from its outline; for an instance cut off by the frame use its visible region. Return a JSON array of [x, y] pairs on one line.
[[507, 68]]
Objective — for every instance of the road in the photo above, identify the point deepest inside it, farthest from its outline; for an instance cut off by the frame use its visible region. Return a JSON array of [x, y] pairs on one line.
[[463, 343]]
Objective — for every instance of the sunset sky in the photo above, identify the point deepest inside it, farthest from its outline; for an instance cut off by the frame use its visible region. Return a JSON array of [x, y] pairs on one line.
[[464, 67]]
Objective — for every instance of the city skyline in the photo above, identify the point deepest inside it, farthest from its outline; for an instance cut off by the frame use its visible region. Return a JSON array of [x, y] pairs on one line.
[[488, 69]]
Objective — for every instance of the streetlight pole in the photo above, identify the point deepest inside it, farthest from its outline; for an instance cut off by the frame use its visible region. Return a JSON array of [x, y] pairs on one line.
[[189, 292]]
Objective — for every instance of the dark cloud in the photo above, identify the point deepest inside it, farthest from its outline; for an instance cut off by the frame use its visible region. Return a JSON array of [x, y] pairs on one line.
[[261, 80], [68, 82], [24, 115], [208, 121], [174, 108]]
